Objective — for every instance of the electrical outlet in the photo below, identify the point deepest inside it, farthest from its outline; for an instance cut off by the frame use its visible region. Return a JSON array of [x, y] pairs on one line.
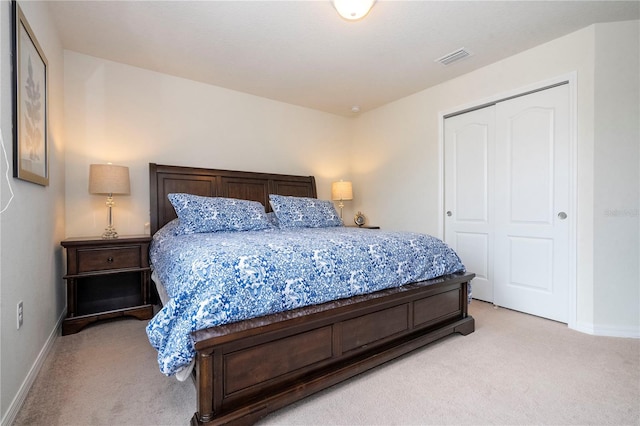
[[20, 314]]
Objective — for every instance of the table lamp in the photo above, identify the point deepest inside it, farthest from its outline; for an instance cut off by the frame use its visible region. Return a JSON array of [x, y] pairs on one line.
[[109, 179], [341, 191]]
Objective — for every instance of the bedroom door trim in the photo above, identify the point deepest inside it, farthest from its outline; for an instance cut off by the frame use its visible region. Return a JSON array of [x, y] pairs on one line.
[[571, 80]]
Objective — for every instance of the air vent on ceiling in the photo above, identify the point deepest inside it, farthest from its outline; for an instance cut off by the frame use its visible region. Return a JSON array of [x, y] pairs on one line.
[[453, 56]]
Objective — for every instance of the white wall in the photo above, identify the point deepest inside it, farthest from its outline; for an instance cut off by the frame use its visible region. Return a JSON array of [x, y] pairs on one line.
[[130, 116], [397, 165], [31, 267], [617, 177]]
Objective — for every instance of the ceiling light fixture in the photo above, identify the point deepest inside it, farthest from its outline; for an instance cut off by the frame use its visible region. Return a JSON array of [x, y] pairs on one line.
[[353, 10]]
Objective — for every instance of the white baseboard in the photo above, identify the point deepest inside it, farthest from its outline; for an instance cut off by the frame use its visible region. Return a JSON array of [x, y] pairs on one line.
[[607, 331], [17, 402]]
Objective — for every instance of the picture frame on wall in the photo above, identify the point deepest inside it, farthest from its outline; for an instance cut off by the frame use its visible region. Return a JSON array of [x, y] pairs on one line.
[[30, 99]]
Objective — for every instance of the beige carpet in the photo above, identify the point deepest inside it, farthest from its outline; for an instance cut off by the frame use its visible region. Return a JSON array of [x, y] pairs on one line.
[[515, 369]]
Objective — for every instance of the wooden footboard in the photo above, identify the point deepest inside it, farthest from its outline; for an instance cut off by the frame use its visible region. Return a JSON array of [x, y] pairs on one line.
[[248, 369]]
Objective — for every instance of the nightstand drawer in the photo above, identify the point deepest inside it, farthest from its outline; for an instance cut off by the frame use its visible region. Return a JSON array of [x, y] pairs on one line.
[[108, 259]]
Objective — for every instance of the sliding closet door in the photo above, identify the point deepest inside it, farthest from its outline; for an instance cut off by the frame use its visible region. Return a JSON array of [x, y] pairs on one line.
[[469, 145], [531, 204], [506, 172]]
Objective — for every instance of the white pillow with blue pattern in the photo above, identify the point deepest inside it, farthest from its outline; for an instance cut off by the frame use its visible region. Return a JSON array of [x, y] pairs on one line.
[[199, 214], [273, 219], [303, 212]]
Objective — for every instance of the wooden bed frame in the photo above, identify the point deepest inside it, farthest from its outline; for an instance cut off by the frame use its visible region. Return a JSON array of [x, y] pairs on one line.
[[248, 369]]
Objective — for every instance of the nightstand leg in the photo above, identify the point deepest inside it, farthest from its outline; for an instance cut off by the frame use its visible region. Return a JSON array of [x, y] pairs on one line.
[[145, 288], [71, 297]]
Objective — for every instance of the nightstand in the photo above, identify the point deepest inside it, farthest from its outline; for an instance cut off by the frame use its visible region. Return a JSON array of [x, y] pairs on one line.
[[106, 279]]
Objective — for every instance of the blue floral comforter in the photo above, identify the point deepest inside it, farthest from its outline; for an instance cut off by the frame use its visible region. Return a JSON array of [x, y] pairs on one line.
[[223, 277]]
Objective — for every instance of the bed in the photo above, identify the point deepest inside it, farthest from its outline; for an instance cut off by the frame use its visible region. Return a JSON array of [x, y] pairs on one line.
[[249, 368]]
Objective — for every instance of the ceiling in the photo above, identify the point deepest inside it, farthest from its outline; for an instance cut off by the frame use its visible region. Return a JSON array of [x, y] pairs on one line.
[[303, 53]]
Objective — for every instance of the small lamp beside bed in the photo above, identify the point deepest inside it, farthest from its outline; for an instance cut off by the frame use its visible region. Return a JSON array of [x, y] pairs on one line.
[[341, 191], [109, 179]]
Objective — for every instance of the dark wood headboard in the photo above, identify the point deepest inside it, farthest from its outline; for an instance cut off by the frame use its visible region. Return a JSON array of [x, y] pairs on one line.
[[164, 180]]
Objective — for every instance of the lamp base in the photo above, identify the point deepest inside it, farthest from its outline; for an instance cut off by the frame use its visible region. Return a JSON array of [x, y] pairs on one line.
[[109, 233]]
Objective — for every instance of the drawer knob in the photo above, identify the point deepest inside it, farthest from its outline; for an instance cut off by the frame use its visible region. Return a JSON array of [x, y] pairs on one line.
[[109, 259]]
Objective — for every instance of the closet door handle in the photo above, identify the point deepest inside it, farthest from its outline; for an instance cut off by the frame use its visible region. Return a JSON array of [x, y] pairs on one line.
[[449, 213], [562, 215]]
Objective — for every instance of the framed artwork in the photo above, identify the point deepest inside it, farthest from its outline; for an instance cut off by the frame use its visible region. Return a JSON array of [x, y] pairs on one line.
[[30, 116]]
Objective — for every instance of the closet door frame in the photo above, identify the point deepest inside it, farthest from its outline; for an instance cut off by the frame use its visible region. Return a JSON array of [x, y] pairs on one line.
[[571, 80]]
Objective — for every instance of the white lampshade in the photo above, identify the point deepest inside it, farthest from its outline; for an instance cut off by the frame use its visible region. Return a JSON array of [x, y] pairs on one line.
[[353, 9], [341, 191], [109, 179]]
